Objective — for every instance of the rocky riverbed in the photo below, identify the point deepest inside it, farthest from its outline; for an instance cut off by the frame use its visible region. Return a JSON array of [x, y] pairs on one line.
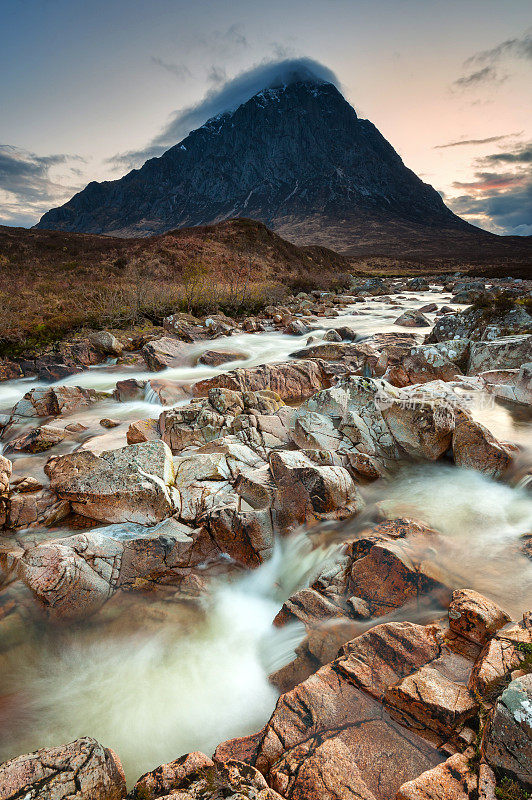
[[288, 556]]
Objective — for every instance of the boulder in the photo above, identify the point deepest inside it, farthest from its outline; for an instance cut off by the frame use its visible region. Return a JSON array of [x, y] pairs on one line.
[[131, 484], [73, 577], [80, 770], [455, 779], [143, 430], [196, 777], [292, 381], [514, 385], [39, 439], [475, 447], [503, 654], [326, 732], [423, 429], [431, 699], [163, 780], [106, 343], [163, 353], [413, 319], [55, 401], [474, 616], [214, 358], [508, 352], [507, 739]]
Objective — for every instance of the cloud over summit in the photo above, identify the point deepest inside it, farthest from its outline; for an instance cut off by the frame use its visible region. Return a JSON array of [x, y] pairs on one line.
[[227, 95]]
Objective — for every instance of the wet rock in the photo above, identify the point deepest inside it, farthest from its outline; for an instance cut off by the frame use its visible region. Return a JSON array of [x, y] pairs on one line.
[[387, 574], [422, 364], [143, 430], [418, 284], [326, 727], [387, 653], [9, 370], [131, 484], [39, 439], [74, 577], [164, 391], [328, 771], [305, 489], [332, 336], [474, 616], [423, 429], [6, 469], [106, 343], [292, 381], [80, 770], [214, 358], [348, 417], [163, 780], [198, 778], [507, 740], [129, 389], [428, 309], [452, 780], [326, 350], [296, 328], [106, 422], [514, 385], [474, 447], [508, 352], [52, 372], [245, 536], [55, 401], [28, 508], [412, 319], [432, 699], [503, 654], [184, 327], [163, 353]]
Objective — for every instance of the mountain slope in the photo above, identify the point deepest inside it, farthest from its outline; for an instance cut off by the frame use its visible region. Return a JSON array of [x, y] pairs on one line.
[[288, 155]]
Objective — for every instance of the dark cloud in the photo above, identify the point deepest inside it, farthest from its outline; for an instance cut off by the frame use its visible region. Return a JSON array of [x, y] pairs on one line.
[[489, 140], [226, 97], [217, 75], [480, 76], [519, 47], [520, 155], [180, 71], [488, 181], [507, 212], [27, 187]]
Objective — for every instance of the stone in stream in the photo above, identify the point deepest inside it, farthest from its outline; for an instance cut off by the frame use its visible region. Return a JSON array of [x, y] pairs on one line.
[[507, 352], [196, 777], [514, 385], [507, 738], [473, 616], [421, 365], [80, 770], [166, 352], [292, 381], [106, 343], [56, 401], [131, 484], [455, 779], [475, 447], [215, 358], [412, 319]]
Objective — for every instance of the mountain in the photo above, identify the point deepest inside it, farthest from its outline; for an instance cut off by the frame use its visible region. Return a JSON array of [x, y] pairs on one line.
[[295, 157]]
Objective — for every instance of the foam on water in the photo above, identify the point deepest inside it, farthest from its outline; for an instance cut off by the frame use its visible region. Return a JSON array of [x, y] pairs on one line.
[[154, 697]]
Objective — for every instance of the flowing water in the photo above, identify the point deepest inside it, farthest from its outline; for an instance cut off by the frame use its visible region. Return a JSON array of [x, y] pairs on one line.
[[155, 680]]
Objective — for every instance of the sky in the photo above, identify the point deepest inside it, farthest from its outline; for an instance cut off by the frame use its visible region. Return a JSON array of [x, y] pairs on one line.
[[91, 88]]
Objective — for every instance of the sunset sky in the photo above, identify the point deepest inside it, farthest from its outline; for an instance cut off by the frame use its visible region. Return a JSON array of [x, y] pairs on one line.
[[90, 88]]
